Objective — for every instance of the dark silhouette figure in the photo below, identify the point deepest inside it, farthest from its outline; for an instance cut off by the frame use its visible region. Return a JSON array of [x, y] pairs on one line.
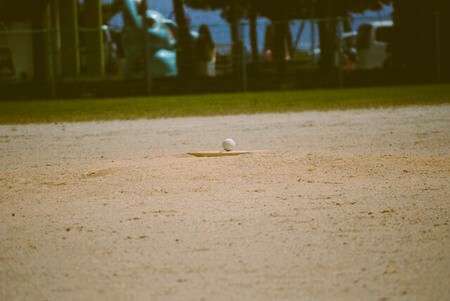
[[205, 52]]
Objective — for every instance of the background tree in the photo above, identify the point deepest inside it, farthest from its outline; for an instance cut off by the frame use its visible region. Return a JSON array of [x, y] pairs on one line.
[[32, 11], [421, 43], [185, 47], [421, 28], [280, 12]]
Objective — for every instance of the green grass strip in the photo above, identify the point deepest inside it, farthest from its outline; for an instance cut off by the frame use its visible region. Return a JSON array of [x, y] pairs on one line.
[[47, 111]]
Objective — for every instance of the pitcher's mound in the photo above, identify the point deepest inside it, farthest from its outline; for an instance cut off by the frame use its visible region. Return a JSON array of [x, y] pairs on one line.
[[221, 153]]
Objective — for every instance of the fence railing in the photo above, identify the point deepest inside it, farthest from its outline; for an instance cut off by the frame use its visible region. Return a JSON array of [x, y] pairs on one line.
[[298, 54]]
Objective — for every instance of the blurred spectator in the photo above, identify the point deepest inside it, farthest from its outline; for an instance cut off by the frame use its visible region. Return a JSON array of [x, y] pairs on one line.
[[205, 52], [132, 38], [283, 37], [269, 41]]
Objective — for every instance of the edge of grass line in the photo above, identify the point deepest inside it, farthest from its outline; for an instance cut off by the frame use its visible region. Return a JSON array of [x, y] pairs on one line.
[[97, 109]]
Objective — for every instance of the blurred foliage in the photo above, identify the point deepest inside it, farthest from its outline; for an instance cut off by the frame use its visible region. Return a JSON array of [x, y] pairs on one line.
[[288, 9]]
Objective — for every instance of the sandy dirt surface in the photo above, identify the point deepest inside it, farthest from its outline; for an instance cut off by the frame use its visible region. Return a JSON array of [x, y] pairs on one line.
[[341, 205]]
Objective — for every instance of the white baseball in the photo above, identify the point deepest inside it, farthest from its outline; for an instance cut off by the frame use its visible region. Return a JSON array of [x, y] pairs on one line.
[[228, 144]]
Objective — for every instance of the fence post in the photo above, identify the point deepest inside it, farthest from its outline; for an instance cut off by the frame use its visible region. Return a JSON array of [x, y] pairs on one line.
[[70, 45], [148, 73], [339, 53], [313, 43], [95, 59], [243, 62], [53, 45], [438, 48], [53, 63]]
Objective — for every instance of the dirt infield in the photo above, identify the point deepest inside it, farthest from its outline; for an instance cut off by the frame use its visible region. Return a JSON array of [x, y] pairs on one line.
[[341, 205]]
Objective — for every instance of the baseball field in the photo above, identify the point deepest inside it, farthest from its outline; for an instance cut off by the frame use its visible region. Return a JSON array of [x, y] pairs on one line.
[[343, 196]]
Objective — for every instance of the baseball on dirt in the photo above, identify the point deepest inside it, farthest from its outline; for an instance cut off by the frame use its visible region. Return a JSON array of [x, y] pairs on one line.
[[228, 144]]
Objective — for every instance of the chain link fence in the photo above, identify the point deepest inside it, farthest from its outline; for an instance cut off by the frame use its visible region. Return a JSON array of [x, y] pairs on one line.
[[300, 54]]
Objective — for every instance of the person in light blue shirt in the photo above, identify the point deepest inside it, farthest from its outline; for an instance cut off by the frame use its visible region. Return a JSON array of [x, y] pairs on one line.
[[161, 43]]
